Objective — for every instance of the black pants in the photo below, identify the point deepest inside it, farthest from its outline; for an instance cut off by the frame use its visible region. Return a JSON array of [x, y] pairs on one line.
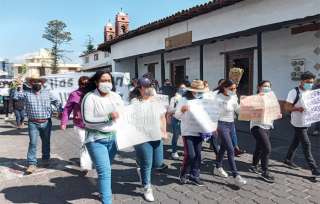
[[263, 147], [192, 156], [301, 136]]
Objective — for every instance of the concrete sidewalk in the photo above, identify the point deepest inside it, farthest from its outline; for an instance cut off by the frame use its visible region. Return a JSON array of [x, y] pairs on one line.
[[62, 183]]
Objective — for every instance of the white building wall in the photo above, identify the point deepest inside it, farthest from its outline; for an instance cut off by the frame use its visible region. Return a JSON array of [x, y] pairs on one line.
[[125, 66], [224, 21], [279, 47], [144, 61]]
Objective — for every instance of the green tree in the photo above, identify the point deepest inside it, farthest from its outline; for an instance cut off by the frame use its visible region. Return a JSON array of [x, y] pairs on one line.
[[56, 33], [89, 45]]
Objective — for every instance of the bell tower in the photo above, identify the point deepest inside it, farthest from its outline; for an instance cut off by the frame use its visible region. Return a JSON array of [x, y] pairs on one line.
[[109, 32], [122, 23]]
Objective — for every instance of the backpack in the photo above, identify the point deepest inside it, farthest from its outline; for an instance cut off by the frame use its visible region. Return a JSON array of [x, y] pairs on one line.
[[297, 96]]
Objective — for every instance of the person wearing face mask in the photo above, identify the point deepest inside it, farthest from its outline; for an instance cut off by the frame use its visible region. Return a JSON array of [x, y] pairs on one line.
[[229, 106], [192, 140], [149, 154], [295, 106], [73, 105], [261, 133], [100, 111], [175, 123], [38, 103]]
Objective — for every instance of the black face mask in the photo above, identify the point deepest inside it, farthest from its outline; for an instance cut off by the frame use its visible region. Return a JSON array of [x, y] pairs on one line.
[[36, 87]]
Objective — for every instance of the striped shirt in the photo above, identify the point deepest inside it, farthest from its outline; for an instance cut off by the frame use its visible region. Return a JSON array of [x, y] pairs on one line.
[[38, 106]]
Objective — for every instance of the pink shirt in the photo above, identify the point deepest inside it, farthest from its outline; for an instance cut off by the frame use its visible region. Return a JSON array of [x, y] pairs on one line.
[[73, 105]]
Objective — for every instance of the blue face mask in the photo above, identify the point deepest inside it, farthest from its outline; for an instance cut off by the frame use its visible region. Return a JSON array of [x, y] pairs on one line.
[[198, 95], [182, 91], [230, 93], [266, 89], [307, 86]]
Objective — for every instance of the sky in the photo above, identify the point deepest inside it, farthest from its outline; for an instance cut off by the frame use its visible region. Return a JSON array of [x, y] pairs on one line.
[[22, 22]]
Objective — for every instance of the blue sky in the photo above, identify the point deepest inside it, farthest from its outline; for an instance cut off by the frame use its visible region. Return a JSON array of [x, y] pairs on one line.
[[22, 22]]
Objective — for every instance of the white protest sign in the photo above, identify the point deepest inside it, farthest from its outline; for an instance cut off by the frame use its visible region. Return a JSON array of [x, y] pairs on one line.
[[263, 108], [203, 116], [61, 85], [163, 99], [138, 123], [311, 102]]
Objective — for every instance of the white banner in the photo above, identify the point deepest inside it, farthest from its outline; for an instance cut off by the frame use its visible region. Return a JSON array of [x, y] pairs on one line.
[[203, 116], [61, 85], [311, 102], [139, 123]]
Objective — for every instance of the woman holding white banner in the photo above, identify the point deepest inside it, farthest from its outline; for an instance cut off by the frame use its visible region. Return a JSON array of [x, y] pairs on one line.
[[261, 133], [229, 105], [73, 105], [151, 121], [192, 138], [100, 110]]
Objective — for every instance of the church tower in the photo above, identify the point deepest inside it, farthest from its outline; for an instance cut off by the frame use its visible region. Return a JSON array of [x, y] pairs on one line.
[[109, 32], [122, 23]]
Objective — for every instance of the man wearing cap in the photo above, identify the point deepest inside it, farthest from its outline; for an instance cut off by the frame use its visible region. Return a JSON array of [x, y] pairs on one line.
[[38, 103]]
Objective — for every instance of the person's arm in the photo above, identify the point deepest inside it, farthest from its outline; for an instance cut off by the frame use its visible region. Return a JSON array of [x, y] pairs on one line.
[[68, 108], [163, 126], [182, 107], [288, 106]]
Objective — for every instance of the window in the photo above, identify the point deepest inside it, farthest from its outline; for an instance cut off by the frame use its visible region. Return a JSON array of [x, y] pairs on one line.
[[96, 57], [151, 69], [86, 60], [124, 29]]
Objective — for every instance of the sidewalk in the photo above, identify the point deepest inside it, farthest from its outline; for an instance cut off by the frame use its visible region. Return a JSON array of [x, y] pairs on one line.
[[61, 183]]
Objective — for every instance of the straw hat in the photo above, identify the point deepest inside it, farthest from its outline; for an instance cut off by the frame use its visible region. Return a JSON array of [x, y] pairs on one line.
[[35, 78], [197, 86]]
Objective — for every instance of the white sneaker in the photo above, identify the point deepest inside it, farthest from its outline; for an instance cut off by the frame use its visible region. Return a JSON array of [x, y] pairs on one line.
[[239, 181], [139, 174], [148, 194], [220, 172], [175, 155]]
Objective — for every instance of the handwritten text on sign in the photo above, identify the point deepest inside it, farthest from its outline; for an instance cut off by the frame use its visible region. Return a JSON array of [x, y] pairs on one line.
[[262, 108], [311, 101]]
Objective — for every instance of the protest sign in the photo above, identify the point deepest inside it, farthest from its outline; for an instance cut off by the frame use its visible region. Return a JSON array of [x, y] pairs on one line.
[[163, 99], [262, 108], [203, 116], [61, 85], [311, 102], [139, 123]]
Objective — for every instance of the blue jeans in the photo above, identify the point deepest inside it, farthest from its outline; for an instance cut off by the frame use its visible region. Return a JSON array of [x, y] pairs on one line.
[[149, 154], [225, 129], [36, 129], [234, 136], [176, 132], [19, 116], [102, 153]]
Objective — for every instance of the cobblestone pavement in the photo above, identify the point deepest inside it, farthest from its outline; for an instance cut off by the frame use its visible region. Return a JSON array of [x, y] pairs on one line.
[[62, 182]]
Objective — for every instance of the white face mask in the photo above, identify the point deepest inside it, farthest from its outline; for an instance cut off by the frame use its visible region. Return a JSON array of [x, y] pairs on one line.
[[105, 87], [230, 93]]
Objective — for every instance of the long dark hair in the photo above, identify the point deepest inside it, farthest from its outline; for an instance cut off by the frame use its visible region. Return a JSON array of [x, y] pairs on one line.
[[260, 84], [226, 84], [92, 85]]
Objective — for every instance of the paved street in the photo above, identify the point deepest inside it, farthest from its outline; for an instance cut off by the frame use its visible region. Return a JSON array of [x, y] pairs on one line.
[[62, 182]]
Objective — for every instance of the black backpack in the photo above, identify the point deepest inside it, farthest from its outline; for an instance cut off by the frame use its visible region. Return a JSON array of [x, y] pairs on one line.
[[297, 96]]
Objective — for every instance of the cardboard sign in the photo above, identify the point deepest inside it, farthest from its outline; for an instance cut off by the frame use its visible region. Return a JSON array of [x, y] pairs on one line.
[[311, 102]]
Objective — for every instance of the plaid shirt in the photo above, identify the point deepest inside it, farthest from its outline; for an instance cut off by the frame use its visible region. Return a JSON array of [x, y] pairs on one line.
[[38, 106]]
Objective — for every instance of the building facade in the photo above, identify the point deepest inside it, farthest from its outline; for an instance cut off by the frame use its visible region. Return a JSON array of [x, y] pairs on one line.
[[269, 39], [6, 68], [40, 64]]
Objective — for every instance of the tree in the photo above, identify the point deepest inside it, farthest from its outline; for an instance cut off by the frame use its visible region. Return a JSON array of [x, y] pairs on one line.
[[89, 45], [56, 34]]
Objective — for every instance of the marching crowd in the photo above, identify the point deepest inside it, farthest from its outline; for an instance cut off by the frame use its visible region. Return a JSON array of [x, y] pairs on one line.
[[96, 106]]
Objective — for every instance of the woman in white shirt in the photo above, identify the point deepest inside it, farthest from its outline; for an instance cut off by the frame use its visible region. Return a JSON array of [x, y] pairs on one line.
[[99, 112], [192, 139], [228, 101], [149, 154], [175, 123], [261, 132]]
